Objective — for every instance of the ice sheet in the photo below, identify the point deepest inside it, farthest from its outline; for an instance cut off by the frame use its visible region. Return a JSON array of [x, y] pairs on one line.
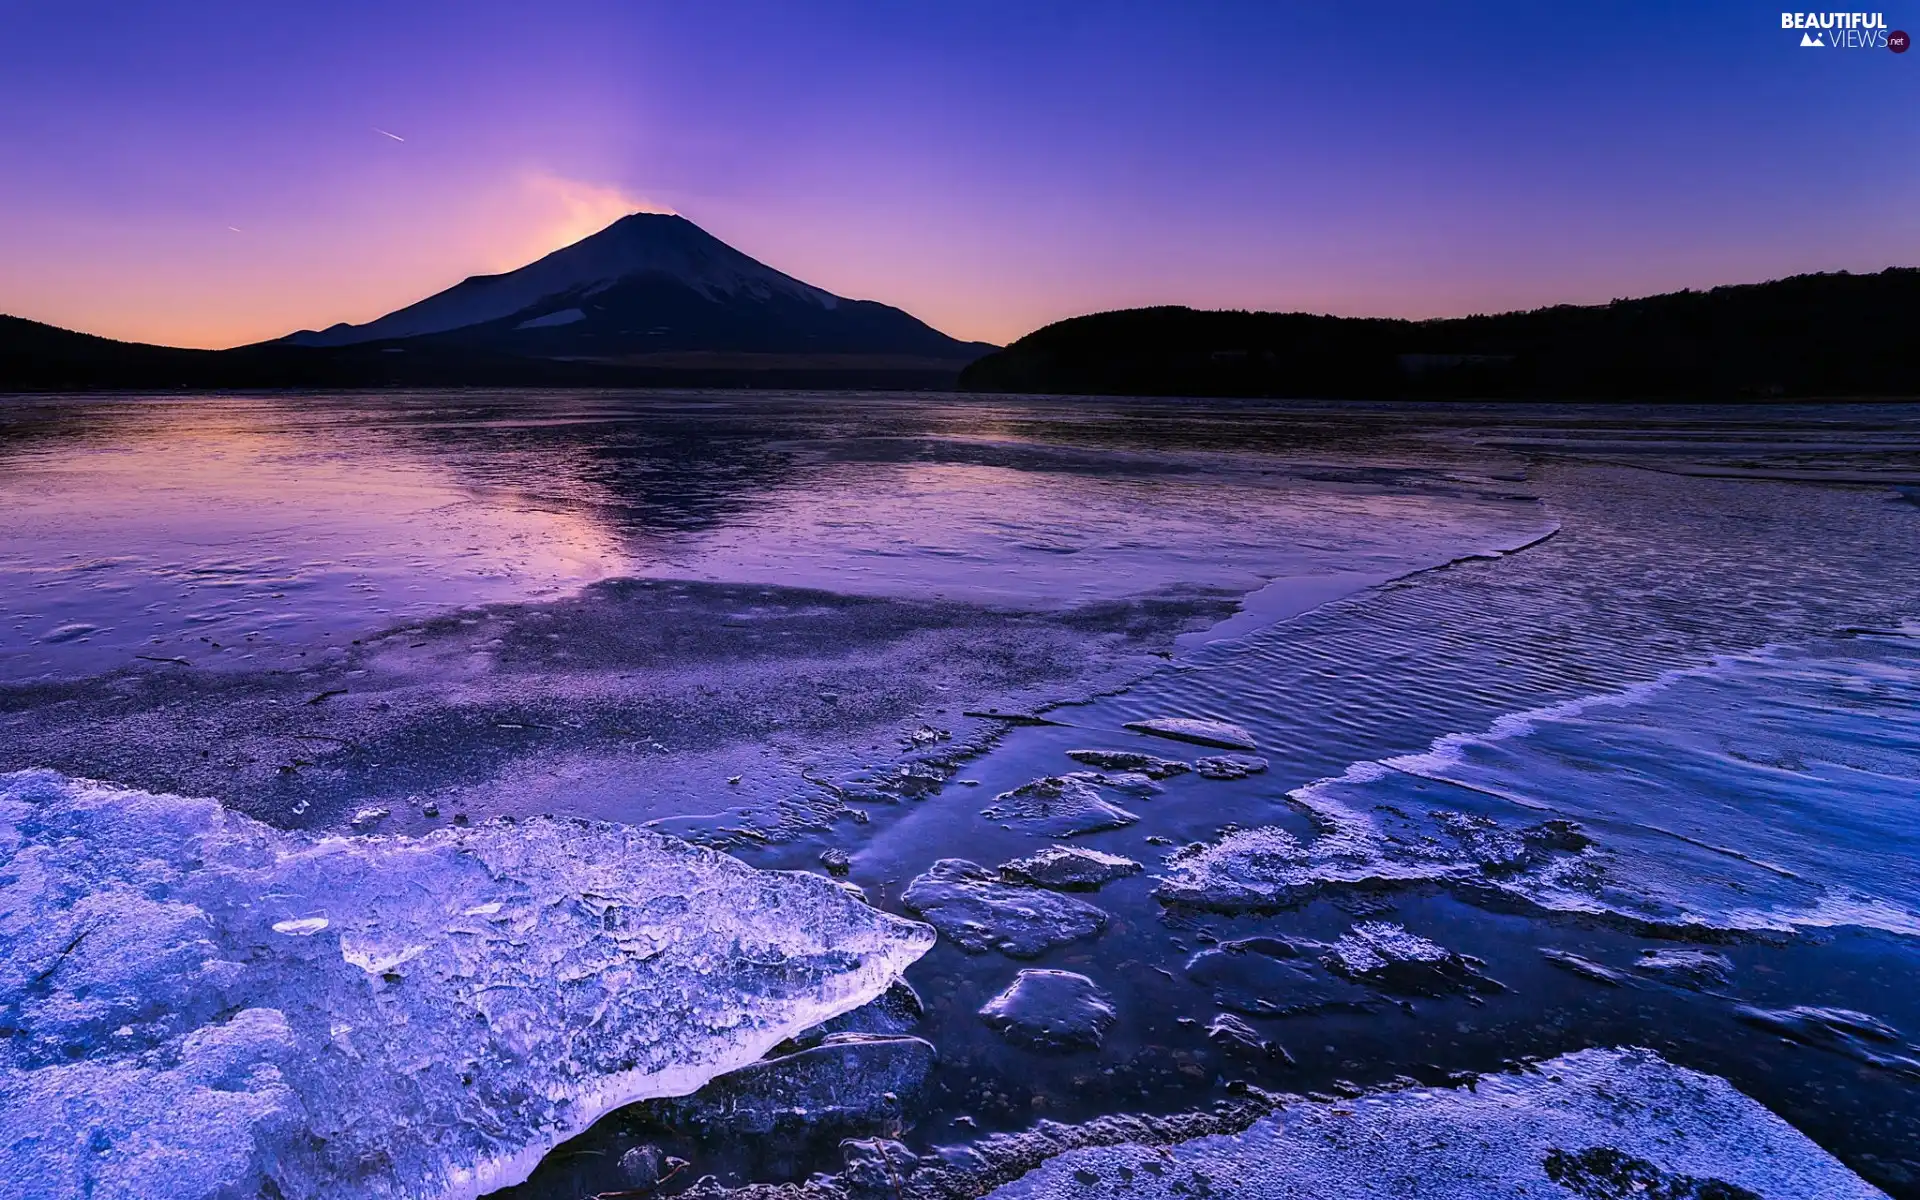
[[1598, 1124]]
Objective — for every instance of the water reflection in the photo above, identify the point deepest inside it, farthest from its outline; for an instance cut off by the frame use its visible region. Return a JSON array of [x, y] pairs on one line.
[[241, 530]]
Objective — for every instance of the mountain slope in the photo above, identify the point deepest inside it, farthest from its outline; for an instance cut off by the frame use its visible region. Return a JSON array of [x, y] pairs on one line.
[[1834, 335], [649, 284]]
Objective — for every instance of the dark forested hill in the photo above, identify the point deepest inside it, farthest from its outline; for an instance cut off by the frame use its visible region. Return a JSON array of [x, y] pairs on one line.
[[1808, 336]]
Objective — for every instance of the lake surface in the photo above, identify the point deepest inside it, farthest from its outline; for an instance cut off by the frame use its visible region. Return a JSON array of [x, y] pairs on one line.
[[1617, 708]]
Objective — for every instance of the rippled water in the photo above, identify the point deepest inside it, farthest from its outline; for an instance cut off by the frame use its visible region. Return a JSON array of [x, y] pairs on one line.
[[1708, 668]]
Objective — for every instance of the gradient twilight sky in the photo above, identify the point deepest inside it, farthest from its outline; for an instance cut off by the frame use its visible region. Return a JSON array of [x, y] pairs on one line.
[[208, 173]]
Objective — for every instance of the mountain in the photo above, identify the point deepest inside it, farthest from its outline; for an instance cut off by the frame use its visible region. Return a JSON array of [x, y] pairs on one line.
[[649, 301], [1812, 336], [646, 287]]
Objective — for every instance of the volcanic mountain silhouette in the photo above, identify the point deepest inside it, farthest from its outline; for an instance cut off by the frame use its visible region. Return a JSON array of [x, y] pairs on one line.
[[652, 287]]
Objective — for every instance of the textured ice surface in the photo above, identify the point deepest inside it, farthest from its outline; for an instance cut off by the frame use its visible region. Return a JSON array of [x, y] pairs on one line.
[[1696, 969], [978, 911], [1060, 806], [1389, 957], [1270, 868], [1273, 977], [1769, 791], [198, 1005], [1150, 765], [849, 1082], [1855, 1034], [1197, 730], [1585, 968], [1229, 766], [1069, 868], [1051, 1010], [1599, 1125], [1235, 1036]]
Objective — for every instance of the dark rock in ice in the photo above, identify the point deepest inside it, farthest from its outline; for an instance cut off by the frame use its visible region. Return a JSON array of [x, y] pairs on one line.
[[1051, 1010], [1059, 806], [1841, 1030], [1150, 765], [874, 1168], [1388, 957], [1585, 968], [1603, 1173], [1695, 969], [850, 1081], [978, 911], [1229, 766], [1272, 977], [1200, 732], [1069, 868], [836, 861], [1235, 1036], [642, 1166]]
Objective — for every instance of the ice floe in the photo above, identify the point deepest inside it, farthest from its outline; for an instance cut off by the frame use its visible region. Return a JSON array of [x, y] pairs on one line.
[[1229, 766], [1060, 806], [977, 910], [1069, 868], [1223, 735], [1841, 1030], [1150, 765], [1695, 969], [199, 1005], [1273, 977], [1235, 1036], [1387, 956], [1051, 1010], [1596, 1124]]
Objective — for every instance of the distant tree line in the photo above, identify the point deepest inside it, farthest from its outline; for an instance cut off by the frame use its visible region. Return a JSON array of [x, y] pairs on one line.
[[1810, 336]]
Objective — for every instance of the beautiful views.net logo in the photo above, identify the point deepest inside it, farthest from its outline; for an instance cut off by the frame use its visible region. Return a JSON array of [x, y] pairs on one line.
[[1846, 31]]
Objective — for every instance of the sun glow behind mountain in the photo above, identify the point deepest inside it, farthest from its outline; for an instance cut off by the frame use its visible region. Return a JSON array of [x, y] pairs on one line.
[[575, 209]]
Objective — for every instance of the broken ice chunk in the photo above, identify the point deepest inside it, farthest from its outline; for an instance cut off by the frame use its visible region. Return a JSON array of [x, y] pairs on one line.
[[1059, 806], [1392, 959], [1200, 732], [1273, 977], [1840, 1030], [1235, 1036], [1150, 765], [253, 1058], [1069, 868], [1051, 1010], [1229, 766], [977, 911], [1695, 969]]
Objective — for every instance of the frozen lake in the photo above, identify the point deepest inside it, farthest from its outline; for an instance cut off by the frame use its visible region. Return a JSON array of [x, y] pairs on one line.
[[1520, 732]]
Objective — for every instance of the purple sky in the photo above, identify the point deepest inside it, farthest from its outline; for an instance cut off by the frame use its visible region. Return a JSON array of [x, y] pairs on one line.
[[212, 173]]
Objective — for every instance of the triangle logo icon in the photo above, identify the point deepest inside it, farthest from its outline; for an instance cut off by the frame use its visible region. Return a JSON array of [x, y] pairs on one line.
[[1808, 39]]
